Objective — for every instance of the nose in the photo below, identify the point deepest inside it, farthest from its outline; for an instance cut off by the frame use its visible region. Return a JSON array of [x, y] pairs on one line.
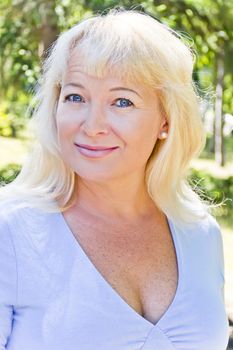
[[95, 121]]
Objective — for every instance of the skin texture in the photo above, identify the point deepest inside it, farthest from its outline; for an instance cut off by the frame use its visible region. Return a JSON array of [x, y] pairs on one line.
[[112, 113], [119, 227]]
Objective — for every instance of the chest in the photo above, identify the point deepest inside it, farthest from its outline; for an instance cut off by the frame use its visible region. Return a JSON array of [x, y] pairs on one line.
[[141, 268]]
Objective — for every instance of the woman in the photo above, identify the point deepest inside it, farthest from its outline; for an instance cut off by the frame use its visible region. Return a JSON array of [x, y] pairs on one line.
[[106, 245]]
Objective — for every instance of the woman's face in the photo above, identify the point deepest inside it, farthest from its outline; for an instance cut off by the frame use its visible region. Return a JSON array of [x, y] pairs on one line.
[[106, 128]]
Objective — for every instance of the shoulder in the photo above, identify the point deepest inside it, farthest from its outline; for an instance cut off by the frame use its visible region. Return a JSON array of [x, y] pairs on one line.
[[210, 228], [20, 217], [8, 266], [202, 244], [29, 230], [206, 226], [11, 210], [214, 229], [210, 243], [215, 235], [211, 233], [202, 235], [215, 247]]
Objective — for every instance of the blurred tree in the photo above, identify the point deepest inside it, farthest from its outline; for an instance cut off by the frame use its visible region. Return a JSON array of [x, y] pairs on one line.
[[210, 24], [27, 29]]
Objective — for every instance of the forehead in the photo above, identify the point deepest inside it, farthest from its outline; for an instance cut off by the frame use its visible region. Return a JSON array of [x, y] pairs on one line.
[[78, 68], [80, 62], [78, 75]]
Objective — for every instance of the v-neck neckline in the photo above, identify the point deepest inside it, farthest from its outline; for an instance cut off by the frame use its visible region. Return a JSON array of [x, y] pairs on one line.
[[116, 295]]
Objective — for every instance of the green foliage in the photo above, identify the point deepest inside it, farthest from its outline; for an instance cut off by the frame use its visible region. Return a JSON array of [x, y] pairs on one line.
[[217, 191], [19, 66], [10, 125], [9, 173]]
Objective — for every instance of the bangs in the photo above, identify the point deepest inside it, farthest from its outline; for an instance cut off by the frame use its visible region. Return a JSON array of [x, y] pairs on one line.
[[115, 49]]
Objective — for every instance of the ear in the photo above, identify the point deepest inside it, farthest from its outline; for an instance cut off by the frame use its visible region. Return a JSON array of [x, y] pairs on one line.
[[163, 132]]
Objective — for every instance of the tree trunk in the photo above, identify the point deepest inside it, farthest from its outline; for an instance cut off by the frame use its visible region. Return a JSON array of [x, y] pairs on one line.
[[49, 30], [219, 141]]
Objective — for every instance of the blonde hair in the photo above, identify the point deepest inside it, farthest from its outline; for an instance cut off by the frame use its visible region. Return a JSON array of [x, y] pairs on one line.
[[136, 47]]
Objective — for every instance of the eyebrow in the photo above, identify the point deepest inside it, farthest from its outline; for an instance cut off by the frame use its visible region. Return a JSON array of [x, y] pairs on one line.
[[125, 89], [113, 89], [74, 84]]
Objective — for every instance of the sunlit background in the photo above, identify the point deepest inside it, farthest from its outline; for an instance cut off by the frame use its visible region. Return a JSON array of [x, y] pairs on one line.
[[27, 29]]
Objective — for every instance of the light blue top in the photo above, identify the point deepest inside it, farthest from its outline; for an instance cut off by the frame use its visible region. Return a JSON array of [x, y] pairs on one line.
[[52, 297]]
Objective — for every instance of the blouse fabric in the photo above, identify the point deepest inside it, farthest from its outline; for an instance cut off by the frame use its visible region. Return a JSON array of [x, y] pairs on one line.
[[52, 297]]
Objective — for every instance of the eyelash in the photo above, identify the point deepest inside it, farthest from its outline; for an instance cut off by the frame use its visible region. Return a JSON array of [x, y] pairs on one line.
[[130, 103], [68, 96], [125, 99]]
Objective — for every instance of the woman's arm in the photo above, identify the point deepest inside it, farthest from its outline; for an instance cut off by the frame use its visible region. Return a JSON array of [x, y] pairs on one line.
[[8, 283]]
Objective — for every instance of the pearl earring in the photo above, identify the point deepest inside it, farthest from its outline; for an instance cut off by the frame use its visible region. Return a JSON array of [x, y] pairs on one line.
[[163, 135]]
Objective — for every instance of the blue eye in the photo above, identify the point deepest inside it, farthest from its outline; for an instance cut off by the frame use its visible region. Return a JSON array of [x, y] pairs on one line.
[[74, 98], [123, 103]]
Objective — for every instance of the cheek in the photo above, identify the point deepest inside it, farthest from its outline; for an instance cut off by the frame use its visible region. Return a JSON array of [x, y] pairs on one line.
[[142, 139], [144, 133], [67, 122]]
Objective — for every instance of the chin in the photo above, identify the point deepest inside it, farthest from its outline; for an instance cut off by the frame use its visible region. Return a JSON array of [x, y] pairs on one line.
[[98, 177]]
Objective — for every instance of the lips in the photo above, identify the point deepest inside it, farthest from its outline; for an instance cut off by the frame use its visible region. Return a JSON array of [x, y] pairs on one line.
[[89, 151], [95, 148]]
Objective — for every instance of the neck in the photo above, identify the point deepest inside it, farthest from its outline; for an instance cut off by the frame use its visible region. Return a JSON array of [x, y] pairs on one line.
[[126, 200]]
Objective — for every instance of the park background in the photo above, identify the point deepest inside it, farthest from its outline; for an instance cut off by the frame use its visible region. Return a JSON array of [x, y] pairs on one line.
[[27, 29]]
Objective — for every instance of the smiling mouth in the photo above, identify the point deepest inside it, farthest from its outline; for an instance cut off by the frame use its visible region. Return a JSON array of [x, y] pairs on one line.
[[94, 151], [95, 148]]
